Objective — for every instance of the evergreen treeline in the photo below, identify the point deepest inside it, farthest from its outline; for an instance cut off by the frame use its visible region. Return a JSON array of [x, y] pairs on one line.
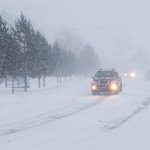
[[25, 52]]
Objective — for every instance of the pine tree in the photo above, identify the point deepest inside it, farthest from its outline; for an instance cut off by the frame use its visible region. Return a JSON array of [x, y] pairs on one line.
[[57, 61], [72, 63], [68, 63], [12, 62], [3, 44], [88, 61], [24, 35], [40, 58]]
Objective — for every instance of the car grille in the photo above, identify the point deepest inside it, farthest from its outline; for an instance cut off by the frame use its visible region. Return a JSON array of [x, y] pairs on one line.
[[103, 82]]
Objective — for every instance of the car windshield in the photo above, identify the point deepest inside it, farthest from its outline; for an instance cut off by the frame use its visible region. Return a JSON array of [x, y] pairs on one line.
[[105, 74]]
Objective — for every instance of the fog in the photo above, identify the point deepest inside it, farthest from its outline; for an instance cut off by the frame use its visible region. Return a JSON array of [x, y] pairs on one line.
[[55, 93], [118, 30]]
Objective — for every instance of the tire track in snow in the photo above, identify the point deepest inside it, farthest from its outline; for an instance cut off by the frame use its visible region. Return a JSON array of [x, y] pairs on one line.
[[48, 117], [116, 124]]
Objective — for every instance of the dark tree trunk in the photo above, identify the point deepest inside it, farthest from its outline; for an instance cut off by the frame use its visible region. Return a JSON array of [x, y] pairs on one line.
[[25, 83], [39, 82], [13, 87], [44, 83], [25, 68], [6, 85]]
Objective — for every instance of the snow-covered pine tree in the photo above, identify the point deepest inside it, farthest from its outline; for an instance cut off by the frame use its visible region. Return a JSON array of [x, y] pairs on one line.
[[24, 34], [68, 63], [3, 45], [12, 62], [57, 61], [88, 61], [40, 58], [71, 63]]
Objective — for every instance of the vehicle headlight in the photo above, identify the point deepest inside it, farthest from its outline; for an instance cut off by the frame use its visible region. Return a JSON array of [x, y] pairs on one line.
[[114, 86], [94, 87], [132, 74]]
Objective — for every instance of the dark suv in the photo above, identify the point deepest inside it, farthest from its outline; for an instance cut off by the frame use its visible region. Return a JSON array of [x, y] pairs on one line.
[[106, 81]]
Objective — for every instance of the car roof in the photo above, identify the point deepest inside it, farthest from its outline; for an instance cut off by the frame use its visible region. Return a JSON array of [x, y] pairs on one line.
[[107, 69]]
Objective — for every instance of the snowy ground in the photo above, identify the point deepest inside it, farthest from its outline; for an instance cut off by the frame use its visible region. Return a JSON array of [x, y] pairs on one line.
[[65, 116]]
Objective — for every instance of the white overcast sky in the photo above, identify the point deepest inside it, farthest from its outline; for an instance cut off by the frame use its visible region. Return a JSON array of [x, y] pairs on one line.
[[114, 27]]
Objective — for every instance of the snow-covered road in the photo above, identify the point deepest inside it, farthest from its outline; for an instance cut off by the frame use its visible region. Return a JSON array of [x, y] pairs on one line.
[[65, 116]]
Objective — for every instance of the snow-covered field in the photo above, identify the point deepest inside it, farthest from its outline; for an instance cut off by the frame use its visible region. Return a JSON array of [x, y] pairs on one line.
[[65, 116]]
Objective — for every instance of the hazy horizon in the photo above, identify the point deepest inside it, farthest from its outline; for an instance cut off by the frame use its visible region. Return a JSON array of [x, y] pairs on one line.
[[116, 29]]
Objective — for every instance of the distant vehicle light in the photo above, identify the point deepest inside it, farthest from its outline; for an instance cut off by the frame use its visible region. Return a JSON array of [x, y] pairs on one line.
[[132, 74]]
